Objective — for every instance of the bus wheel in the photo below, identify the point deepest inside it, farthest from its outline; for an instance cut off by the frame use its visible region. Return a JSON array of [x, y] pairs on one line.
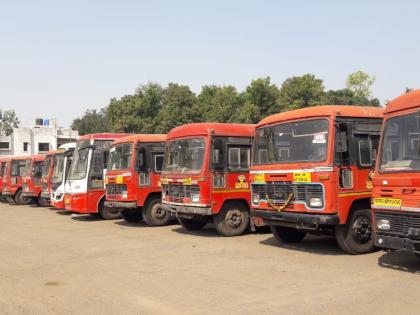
[[42, 202], [233, 219], [108, 213], [154, 214], [286, 234], [191, 224], [131, 215], [355, 237], [20, 200]]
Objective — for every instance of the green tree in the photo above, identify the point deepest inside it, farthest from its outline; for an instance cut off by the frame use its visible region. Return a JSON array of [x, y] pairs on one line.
[[360, 83], [178, 108], [264, 96], [136, 113], [347, 97], [299, 92], [217, 103], [8, 121], [92, 121]]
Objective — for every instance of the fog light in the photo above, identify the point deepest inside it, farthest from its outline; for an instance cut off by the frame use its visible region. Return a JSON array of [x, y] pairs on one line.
[[255, 199], [315, 202], [124, 194], [163, 193], [383, 225], [195, 198]]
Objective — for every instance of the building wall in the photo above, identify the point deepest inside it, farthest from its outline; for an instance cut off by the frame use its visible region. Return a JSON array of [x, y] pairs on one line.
[[38, 139]]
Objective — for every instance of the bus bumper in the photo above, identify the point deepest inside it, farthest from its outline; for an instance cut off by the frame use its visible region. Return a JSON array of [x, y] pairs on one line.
[[187, 211], [294, 219], [397, 243], [121, 204]]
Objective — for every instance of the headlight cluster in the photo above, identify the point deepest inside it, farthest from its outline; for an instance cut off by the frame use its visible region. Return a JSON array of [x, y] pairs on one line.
[[124, 194], [315, 202], [195, 197], [383, 225], [255, 199]]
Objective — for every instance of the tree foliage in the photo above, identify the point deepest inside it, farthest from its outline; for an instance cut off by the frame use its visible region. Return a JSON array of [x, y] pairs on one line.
[[8, 121], [360, 83], [156, 109], [92, 121]]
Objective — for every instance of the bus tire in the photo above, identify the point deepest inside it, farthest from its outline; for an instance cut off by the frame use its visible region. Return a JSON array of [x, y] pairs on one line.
[[233, 219], [20, 200], [287, 235], [131, 215], [42, 202], [355, 237], [153, 213], [191, 224], [108, 213]]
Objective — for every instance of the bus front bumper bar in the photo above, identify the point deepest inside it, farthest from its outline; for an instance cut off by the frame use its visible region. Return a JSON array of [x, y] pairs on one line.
[[397, 243], [188, 210], [287, 218], [121, 204]]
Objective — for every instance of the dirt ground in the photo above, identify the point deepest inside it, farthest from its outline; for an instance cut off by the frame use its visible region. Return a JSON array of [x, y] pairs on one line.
[[53, 262]]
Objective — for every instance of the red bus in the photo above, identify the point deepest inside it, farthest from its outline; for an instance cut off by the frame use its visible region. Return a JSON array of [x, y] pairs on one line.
[[133, 178], [32, 178], [12, 180], [85, 191], [205, 176], [310, 173], [396, 182]]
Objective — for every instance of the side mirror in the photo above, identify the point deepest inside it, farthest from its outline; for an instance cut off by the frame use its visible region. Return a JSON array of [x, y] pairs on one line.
[[141, 162], [373, 154], [217, 164]]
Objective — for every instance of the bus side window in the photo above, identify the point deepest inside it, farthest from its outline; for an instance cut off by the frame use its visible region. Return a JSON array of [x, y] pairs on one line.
[[158, 161], [96, 170], [238, 159]]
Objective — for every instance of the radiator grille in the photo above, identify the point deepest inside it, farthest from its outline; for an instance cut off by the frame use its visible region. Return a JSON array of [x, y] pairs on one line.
[[278, 192], [177, 192], [115, 189], [400, 223]]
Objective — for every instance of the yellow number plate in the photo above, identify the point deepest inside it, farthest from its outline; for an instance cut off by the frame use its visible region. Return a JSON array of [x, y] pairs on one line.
[[259, 178], [302, 177], [187, 181], [119, 179], [393, 202]]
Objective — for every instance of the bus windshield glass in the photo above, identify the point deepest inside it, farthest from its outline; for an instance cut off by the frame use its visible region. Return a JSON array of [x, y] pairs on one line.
[[78, 169], [401, 144], [298, 141], [184, 156], [58, 169], [120, 156]]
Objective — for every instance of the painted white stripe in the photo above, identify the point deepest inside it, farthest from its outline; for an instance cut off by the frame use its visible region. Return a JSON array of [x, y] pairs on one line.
[[412, 209], [307, 170], [385, 207]]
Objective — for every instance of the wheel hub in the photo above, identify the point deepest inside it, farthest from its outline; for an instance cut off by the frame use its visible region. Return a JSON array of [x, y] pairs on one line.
[[362, 230], [158, 212], [234, 218]]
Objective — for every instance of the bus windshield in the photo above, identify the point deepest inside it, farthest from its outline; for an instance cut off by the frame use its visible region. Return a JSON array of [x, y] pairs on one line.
[[58, 169], [27, 170], [78, 169], [47, 166], [298, 141], [184, 155], [120, 156], [401, 144]]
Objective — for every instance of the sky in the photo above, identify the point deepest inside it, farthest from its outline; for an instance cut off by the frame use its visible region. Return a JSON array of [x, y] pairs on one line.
[[60, 58]]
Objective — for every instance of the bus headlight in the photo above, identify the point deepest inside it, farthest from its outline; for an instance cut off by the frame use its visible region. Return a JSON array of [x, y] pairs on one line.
[[315, 202], [255, 199], [195, 197], [124, 194], [163, 193], [383, 225]]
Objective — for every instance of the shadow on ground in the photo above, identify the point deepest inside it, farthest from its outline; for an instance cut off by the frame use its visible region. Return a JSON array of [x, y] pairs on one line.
[[401, 261], [62, 212], [322, 245], [207, 231], [86, 218], [138, 224]]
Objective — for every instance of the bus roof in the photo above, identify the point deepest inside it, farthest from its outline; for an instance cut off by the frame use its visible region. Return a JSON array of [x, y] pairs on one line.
[[141, 138], [54, 152], [404, 101], [104, 136], [324, 110], [39, 157], [218, 129], [13, 158]]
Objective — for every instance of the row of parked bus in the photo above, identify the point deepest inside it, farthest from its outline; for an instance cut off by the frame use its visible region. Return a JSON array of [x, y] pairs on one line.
[[309, 170]]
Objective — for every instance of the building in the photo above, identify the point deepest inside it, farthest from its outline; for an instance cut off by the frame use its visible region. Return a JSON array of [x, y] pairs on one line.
[[41, 138]]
